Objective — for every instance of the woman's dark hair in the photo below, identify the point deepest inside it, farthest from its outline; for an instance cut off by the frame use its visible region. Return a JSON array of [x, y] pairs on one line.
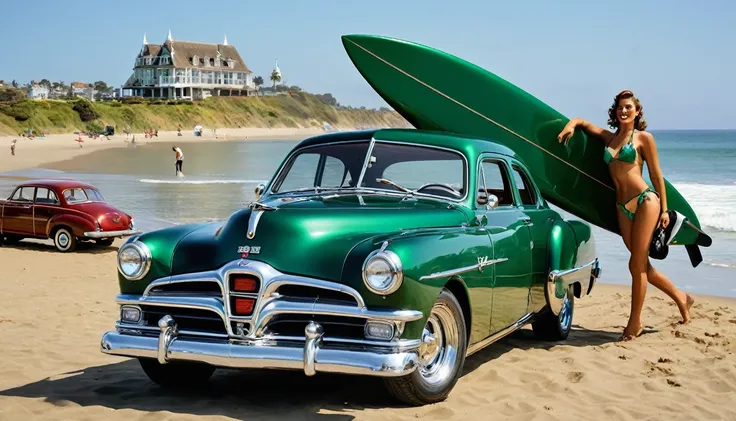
[[639, 123]]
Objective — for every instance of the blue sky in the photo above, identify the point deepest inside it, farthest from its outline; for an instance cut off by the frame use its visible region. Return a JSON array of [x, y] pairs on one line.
[[678, 57]]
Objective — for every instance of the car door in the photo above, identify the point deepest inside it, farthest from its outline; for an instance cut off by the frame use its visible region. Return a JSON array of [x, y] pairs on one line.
[[510, 263], [18, 212], [541, 220], [45, 205]]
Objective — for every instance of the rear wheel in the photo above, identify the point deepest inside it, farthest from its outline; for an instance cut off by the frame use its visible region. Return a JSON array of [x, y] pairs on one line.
[[64, 239], [176, 374], [557, 327], [441, 356]]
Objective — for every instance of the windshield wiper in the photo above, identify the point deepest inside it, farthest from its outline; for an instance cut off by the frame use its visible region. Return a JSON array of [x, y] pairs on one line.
[[391, 183]]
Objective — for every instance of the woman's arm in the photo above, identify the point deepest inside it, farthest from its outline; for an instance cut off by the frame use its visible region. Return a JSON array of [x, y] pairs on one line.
[[589, 128], [649, 150]]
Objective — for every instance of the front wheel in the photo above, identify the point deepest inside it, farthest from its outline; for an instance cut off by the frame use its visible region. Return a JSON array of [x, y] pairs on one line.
[[176, 374], [553, 327], [441, 356]]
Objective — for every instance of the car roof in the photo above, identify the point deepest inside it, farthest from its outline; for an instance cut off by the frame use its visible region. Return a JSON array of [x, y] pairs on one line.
[[57, 183], [420, 137]]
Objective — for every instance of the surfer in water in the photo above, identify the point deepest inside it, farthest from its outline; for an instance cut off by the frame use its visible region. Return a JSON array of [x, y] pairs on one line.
[[640, 209], [179, 160]]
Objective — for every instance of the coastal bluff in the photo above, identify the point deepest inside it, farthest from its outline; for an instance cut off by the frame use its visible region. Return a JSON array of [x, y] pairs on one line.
[[294, 110]]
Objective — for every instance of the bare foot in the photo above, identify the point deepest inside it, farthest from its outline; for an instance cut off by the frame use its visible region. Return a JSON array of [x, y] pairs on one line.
[[627, 335], [685, 311]]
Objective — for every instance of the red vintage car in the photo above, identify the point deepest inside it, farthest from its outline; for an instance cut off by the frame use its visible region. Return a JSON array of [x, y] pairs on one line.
[[66, 211]]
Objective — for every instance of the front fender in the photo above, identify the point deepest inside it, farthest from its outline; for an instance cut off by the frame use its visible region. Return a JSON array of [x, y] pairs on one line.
[[424, 255]]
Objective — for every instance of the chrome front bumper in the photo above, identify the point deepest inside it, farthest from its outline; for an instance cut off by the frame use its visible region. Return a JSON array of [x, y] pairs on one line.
[[311, 356], [110, 234], [248, 341]]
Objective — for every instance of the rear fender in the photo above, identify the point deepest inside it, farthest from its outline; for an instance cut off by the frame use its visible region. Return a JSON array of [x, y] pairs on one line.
[[572, 262], [78, 224]]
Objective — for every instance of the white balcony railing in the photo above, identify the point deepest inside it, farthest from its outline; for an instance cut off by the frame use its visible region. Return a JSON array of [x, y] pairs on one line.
[[195, 80]]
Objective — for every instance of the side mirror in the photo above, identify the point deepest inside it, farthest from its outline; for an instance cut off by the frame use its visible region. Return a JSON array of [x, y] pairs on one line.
[[482, 198], [259, 190]]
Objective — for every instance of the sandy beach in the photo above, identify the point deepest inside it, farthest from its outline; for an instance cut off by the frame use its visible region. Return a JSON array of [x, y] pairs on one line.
[[35, 152], [53, 314]]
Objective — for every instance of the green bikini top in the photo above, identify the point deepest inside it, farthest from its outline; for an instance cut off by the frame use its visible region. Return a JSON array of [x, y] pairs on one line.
[[626, 154]]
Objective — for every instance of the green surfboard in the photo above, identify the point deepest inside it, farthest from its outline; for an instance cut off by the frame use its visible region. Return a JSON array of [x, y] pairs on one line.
[[434, 90]]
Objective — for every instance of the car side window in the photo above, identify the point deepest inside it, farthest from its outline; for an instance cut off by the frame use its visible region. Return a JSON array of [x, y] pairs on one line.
[[523, 184], [23, 194], [334, 173], [496, 177], [75, 195], [45, 196], [301, 174]]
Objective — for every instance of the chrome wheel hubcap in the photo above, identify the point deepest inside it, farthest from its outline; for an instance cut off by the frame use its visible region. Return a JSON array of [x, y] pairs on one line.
[[63, 239], [440, 342]]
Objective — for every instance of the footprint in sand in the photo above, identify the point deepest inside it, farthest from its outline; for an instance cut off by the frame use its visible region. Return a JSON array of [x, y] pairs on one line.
[[673, 383], [575, 376]]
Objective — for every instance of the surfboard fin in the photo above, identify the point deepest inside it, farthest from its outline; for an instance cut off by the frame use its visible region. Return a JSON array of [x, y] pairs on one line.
[[693, 251]]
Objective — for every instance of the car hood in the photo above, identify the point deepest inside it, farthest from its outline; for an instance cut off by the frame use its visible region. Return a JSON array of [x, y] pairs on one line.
[[307, 236]]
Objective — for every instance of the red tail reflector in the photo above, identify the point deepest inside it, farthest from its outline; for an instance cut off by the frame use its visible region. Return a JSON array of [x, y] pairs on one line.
[[245, 283], [244, 306]]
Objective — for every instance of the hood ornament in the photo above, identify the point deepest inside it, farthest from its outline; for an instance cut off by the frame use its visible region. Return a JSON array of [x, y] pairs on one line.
[[257, 210]]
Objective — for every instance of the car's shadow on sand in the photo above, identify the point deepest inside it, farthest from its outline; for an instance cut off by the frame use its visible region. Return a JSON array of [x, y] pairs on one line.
[[47, 246], [262, 394]]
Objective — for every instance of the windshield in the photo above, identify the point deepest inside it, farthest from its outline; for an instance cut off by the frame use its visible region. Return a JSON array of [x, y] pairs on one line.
[[399, 168]]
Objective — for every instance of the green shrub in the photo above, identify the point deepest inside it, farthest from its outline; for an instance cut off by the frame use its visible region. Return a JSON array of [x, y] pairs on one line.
[[85, 110]]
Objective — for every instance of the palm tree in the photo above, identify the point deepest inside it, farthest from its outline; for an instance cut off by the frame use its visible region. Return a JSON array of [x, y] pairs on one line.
[[275, 77], [258, 81]]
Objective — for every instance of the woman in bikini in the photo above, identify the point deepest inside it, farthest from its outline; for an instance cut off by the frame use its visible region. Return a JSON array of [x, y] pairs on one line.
[[640, 209]]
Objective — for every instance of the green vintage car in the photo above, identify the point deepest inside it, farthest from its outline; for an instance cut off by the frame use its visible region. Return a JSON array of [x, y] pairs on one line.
[[392, 253]]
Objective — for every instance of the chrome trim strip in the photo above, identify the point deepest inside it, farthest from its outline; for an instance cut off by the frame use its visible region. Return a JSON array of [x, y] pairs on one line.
[[400, 344], [480, 265], [199, 303], [178, 279], [108, 234], [481, 115], [139, 329], [279, 306], [368, 153], [273, 286], [472, 349]]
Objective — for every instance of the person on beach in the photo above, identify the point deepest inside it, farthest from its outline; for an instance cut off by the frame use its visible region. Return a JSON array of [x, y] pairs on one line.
[[179, 160], [640, 209], [12, 147]]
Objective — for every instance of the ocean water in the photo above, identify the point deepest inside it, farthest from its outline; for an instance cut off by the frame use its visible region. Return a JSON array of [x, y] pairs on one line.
[[220, 178]]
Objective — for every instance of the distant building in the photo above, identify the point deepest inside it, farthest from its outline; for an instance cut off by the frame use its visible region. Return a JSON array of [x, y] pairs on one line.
[[81, 89], [36, 91], [189, 70]]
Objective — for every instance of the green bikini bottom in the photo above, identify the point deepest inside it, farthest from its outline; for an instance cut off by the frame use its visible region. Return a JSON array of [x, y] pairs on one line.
[[629, 214]]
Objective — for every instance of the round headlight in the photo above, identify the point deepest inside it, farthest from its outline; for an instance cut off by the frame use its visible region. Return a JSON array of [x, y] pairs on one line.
[[382, 272], [134, 260]]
